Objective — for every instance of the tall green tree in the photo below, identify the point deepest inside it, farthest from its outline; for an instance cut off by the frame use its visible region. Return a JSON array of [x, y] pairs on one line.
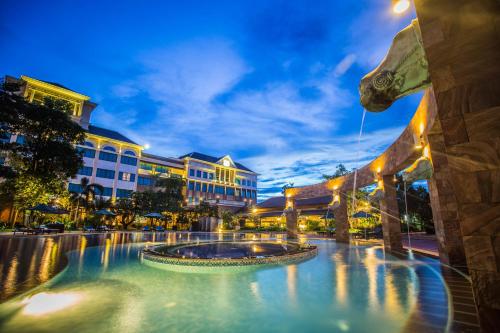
[[340, 170], [35, 168], [86, 199], [47, 151]]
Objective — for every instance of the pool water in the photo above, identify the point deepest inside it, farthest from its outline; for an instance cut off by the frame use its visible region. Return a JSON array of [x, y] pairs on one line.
[[231, 250], [108, 289]]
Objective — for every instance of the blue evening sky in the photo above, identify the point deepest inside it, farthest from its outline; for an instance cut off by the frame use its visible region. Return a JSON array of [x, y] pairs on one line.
[[272, 83]]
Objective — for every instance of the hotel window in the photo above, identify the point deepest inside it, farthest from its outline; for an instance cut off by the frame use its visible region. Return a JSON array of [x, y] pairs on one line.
[[191, 185], [254, 184], [104, 173], [198, 173], [145, 166], [217, 173], [104, 156], [85, 171], [254, 194], [230, 191], [108, 191], [75, 188], [122, 193], [89, 153], [89, 144], [191, 172], [128, 160], [161, 169], [204, 187], [145, 181], [129, 152], [205, 174], [109, 148], [198, 186], [244, 193], [211, 175], [219, 189], [238, 181], [244, 182], [126, 176], [210, 188]]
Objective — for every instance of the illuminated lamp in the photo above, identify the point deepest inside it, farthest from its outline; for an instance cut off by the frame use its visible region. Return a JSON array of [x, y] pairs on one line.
[[400, 6]]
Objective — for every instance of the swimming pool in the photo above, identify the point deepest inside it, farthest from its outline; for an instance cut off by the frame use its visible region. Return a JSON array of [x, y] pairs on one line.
[[345, 288]]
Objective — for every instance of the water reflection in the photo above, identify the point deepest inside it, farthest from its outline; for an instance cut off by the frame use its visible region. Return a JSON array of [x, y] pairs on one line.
[[342, 289]]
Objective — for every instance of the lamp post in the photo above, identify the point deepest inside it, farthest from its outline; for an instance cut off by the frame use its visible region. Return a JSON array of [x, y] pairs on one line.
[[400, 6]]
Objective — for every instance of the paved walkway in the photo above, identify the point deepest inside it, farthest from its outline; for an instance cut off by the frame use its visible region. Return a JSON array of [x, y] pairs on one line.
[[420, 242]]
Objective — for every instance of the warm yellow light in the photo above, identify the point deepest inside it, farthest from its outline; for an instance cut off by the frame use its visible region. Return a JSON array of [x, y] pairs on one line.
[[426, 152], [43, 303], [421, 128], [400, 6], [254, 210]]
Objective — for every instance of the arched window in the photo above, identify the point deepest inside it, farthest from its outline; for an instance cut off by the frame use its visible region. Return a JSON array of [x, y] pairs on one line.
[[89, 144], [109, 148], [129, 152]]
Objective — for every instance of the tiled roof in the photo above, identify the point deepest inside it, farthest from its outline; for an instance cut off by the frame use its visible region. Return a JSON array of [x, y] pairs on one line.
[[164, 159], [58, 85], [212, 159], [279, 202], [109, 134]]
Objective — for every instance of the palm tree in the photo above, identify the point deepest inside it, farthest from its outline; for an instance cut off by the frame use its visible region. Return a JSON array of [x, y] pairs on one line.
[[89, 191]]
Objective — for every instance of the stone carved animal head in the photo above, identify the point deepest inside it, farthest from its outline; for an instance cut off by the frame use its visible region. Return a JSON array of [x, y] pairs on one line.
[[403, 71], [421, 169]]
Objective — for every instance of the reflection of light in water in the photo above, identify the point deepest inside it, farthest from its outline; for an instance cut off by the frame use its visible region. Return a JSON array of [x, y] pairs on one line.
[[371, 269], [341, 279], [44, 267], [254, 287], [10, 280], [43, 303], [392, 306], [221, 236], [105, 255], [291, 282], [83, 246], [343, 325]]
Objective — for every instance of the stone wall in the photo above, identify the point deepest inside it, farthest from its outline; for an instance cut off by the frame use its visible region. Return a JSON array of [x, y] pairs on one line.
[[462, 43]]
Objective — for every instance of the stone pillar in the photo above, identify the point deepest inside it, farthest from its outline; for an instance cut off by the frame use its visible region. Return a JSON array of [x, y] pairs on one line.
[[444, 206], [341, 222], [391, 222], [462, 45], [291, 215]]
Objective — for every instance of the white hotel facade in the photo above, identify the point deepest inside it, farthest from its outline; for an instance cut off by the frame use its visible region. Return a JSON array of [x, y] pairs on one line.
[[121, 166]]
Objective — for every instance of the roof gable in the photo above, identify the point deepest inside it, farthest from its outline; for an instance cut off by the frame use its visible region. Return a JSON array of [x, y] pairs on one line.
[[109, 134]]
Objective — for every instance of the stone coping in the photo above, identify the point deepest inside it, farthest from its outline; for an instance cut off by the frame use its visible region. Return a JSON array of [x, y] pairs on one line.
[[301, 253]]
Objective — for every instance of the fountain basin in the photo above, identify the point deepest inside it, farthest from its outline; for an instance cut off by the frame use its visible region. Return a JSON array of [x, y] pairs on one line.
[[226, 254]]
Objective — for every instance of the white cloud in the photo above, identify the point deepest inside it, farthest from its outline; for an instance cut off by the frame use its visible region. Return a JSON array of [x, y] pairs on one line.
[[344, 65]]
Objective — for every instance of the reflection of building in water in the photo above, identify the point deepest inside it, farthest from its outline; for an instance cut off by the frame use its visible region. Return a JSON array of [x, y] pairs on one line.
[[371, 264], [291, 283], [340, 277]]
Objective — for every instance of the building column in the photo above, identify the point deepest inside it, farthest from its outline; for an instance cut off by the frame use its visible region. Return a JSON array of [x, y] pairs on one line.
[[291, 216], [391, 223], [444, 206], [341, 222]]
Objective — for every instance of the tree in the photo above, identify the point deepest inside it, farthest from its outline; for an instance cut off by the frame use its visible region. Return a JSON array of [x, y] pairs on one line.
[[47, 151], [86, 197], [340, 170], [36, 166], [129, 208], [286, 187], [418, 201]]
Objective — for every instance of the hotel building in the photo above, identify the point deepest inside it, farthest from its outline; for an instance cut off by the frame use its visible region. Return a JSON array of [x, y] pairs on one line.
[[121, 167]]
